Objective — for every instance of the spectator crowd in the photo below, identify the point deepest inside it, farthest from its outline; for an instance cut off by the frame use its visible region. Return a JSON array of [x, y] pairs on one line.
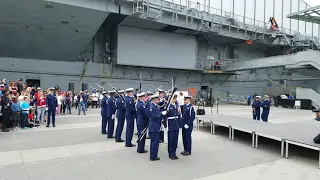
[[24, 107]]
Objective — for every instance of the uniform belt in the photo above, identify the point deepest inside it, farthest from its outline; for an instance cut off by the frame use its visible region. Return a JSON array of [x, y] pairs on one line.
[[174, 117]]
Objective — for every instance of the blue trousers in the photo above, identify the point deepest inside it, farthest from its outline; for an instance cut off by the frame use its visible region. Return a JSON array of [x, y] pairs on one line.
[[82, 106], [104, 124], [51, 112], [129, 130], [186, 139], [265, 115], [24, 120], [119, 129], [256, 114], [154, 145], [161, 136], [172, 142], [142, 142], [110, 126]]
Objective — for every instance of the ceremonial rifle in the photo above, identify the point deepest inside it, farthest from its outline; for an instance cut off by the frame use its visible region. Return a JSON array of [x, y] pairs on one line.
[[118, 93]]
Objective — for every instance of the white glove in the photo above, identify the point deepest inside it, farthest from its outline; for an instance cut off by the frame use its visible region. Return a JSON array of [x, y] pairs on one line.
[[167, 129], [164, 113], [112, 117], [186, 126], [47, 108], [162, 128]]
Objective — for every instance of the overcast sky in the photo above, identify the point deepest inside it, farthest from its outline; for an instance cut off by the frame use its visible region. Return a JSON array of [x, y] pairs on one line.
[[313, 2]]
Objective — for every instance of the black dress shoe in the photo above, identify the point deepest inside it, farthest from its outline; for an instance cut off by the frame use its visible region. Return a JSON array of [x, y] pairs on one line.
[[110, 137], [5, 130], [172, 157], [182, 152], [145, 151], [176, 157], [186, 154], [54, 125], [47, 125], [156, 159], [131, 145], [104, 133], [121, 140]]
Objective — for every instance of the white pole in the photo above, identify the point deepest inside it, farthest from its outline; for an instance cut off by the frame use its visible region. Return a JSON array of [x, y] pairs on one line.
[[172, 82]]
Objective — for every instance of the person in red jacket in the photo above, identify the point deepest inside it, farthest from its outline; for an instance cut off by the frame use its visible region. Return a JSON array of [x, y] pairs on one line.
[[41, 107]]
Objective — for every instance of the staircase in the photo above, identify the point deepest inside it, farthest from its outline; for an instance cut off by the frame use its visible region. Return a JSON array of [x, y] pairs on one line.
[[298, 60], [307, 93]]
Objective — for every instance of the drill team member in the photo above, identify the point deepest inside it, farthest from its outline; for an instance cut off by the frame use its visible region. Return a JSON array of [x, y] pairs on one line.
[[173, 117], [148, 103], [104, 113], [155, 118], [142, 121], [162, 104], [265, 108], [130, 115], [51, 105], [188, 116], [111, 110], [256, 108], [121, 111]]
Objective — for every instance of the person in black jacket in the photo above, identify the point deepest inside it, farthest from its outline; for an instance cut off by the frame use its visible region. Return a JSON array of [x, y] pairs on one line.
[[5, 110]]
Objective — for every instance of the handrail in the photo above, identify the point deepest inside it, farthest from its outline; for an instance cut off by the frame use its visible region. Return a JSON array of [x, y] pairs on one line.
[[242, 19]]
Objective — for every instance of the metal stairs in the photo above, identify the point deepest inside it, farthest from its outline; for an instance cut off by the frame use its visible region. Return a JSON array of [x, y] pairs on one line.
[[307, 93], [298, 60]]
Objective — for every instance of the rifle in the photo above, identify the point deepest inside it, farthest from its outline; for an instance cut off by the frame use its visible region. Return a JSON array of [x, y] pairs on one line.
[[118, 93], [144, 131]]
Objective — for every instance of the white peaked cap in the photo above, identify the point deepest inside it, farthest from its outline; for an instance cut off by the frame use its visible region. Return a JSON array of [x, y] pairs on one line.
[[129, 89], [104, 92], [121, 91], [141, 94], [111, 91], [187, 97], [154, 96]]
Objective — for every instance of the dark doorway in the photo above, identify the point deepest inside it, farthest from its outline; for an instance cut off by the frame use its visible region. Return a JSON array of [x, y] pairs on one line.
[[33, 82]]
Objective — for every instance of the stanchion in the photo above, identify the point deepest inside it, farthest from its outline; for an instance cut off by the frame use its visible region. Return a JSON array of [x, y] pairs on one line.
[[217, 106]]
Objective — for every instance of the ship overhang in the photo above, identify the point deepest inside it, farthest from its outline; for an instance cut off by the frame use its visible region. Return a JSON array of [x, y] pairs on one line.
[[37, 29]]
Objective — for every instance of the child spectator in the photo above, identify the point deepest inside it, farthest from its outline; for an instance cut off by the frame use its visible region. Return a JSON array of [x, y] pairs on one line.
[[25, 111], [31, 123], [16, 109]]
